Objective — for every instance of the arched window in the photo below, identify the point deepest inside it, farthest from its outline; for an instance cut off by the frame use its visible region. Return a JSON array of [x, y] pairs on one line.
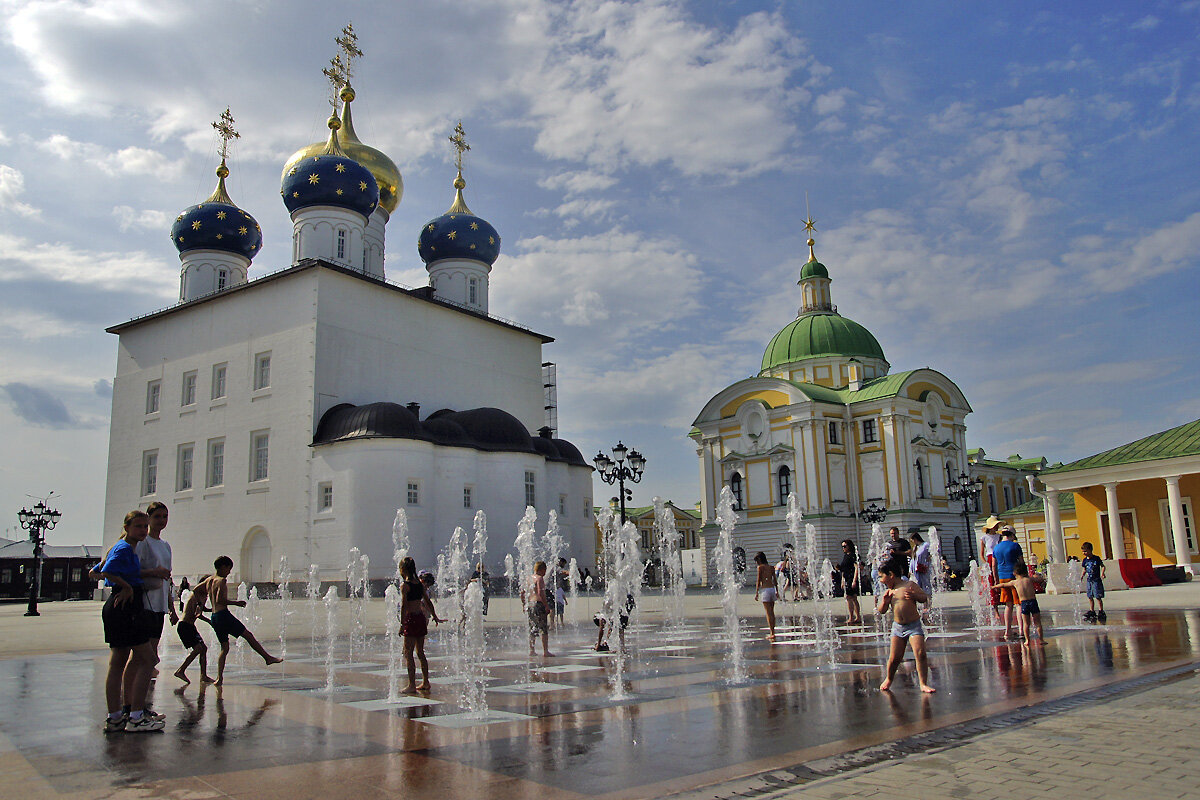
[[341, 243], [958, 555], [920, 478], [735, 486], [222, 279], [473, 291], [949, 472], [785, 485], [1007, 498], [992, 498]]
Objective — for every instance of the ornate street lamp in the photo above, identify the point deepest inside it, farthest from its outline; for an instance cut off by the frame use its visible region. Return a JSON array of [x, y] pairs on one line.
[[966, 489], [871, 513], [627, 466], [41, 519]]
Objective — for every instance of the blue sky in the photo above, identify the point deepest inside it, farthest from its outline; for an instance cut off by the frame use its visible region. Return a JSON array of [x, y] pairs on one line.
[[1006, 193]]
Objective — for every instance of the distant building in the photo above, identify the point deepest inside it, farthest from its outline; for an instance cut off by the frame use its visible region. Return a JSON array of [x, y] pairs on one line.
[[64, 570], [687, 524]]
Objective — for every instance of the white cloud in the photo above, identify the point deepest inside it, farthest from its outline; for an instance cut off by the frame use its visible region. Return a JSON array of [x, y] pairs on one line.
[[574, 183], [626, 83], [630, 283], [831, 102], [1110, 265], [31, 326], [126, 161], [1146, 23], [135, 271], [587, 209], [12, 186], [147, 219]]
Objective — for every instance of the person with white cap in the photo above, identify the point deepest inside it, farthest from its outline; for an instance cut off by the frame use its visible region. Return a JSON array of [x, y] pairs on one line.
[[988, 539]]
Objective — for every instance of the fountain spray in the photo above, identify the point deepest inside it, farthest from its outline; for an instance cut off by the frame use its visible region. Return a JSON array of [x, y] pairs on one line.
[[727, 581]]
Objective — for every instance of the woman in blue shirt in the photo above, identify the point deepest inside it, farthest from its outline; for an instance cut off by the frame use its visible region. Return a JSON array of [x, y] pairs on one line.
[[126, 632]]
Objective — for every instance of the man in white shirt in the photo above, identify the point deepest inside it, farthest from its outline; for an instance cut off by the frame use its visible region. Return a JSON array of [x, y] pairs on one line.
[[155, 554], [988, 539]]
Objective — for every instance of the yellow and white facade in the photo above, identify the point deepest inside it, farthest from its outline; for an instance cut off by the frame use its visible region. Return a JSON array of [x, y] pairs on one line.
[[827, 420]]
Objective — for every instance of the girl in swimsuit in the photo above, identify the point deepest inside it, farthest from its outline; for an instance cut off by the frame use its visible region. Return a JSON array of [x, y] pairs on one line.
[[766, 587], [414, 604]]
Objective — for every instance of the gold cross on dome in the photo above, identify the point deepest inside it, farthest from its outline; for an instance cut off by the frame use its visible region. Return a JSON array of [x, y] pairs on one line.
[[225, 130], [459, 141], [810, 224]]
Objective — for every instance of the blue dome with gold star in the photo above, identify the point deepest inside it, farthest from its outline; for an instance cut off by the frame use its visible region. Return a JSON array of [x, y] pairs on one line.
[[330, 179], [217, 224], [459, 234]]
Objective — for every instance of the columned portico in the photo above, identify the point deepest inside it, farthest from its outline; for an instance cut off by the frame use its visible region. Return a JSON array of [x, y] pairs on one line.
[[1183, 556], [1116, 542]]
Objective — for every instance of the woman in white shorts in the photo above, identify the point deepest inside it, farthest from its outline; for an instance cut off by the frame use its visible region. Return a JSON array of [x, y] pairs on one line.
[[765, 590]]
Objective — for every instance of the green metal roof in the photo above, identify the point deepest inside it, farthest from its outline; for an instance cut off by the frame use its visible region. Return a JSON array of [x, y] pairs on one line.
[[887, 386], [814, 269], [817, 336], [1066, 502], [1174, 443]]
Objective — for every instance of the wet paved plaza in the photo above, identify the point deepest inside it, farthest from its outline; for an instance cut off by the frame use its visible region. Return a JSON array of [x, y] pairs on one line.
[[554, 729]]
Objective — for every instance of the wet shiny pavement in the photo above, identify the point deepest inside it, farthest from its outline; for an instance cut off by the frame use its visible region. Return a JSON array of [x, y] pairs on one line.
[[274, 733]]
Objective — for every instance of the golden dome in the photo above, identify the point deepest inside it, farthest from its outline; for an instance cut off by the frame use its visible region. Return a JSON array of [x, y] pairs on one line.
[[387, 175]]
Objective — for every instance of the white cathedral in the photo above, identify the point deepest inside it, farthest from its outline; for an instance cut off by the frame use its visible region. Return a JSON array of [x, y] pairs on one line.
[[293, 414]]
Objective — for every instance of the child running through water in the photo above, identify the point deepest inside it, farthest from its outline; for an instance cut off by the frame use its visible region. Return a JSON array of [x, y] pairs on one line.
[[224, 623], [186, 628], [902, 596], [1031, 615], [1093, 571], [537, 606]]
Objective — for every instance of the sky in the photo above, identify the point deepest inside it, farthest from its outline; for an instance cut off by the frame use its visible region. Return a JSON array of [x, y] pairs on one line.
[[1008, 193]]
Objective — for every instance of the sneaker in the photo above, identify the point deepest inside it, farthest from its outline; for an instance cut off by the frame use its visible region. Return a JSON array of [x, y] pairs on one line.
[[144, 725], [152, 715], [602, 648], [1102, 617], [114, 725], [1089, 615]]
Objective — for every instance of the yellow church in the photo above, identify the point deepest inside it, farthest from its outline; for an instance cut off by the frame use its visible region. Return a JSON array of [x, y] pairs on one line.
[[826, 418]]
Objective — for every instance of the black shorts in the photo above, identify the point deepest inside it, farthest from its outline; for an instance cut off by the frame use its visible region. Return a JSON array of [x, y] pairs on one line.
[[125, 625], [154, 622], [225, 624], [1030, 606], [189, 635]]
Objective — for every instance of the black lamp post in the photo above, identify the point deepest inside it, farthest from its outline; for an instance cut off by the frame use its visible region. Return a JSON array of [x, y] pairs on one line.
[[871, 513], [41, 519], [628, 466], [965, 489]]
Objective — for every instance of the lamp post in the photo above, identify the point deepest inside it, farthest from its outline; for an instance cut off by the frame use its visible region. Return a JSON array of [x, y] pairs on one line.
[[871, 513], [627, 466], [966, 489], [41, 519]]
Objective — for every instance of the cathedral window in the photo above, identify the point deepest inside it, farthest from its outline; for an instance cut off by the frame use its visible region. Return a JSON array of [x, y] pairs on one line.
[[992, 499], [531, 488], [262, 371], [785, 485], [870, 433], [1007, 498], [735, 486], [473, 291], [587, 508], [222, 279], [188, 392], [920, 478], [341, 244], [833, 433], [216, 462], [183, 467], [218, 380], [468, 500], [325, 496], [949, 472], [153, 394], [562, 505], [260, 444], [414, 493], [149, 472]]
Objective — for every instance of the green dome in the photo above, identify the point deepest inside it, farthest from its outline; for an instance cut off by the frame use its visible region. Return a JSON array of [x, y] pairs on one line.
[[814, 269], [820, 336]]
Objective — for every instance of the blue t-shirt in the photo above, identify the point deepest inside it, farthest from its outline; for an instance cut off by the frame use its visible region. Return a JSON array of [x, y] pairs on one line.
[[123, 560], [1092, 566], [1007, 553]]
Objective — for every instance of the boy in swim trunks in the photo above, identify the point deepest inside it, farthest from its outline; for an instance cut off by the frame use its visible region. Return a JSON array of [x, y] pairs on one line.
[[186, 628], [224, 623], [1031, 615], [902, 596]]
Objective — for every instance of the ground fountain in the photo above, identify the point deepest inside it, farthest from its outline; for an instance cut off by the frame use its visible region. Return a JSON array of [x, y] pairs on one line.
[[312, 591], [391, 610], [354, 584], [453, 573], [673, 587], [876, 551], [285, 604], [331, 604], [980, 593], [1074, 575], [937, 581], [827, 636], [623, 566], [526, 545], [729, 585], [239, 647], [399, 543], [473, 697], [573, 590], [795, 523], [552, 545]]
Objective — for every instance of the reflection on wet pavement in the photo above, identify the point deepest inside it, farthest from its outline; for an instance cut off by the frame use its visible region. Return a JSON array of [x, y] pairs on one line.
[[682, 726]]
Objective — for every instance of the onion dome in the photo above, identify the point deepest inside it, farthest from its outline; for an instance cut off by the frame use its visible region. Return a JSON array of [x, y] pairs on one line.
[[217, 224], [459, 234], [384, 170], [330, 178], [820, 336], [813, 268]]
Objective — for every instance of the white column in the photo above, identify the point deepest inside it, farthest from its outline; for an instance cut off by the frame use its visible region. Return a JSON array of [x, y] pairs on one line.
[[1115, 539], [1183, 557], [891, 461], [1055, 544]]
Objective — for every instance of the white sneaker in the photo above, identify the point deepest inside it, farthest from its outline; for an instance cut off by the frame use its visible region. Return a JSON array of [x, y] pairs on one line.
[[148, 722]]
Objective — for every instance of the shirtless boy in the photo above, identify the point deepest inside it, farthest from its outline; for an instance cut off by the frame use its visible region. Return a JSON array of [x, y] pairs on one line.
[[224, 623], [190, 637], [1031, 615], [902, 596]]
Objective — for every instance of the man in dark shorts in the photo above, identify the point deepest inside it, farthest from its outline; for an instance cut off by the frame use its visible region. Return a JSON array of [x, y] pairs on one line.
[[190, 637], [224, 623]]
